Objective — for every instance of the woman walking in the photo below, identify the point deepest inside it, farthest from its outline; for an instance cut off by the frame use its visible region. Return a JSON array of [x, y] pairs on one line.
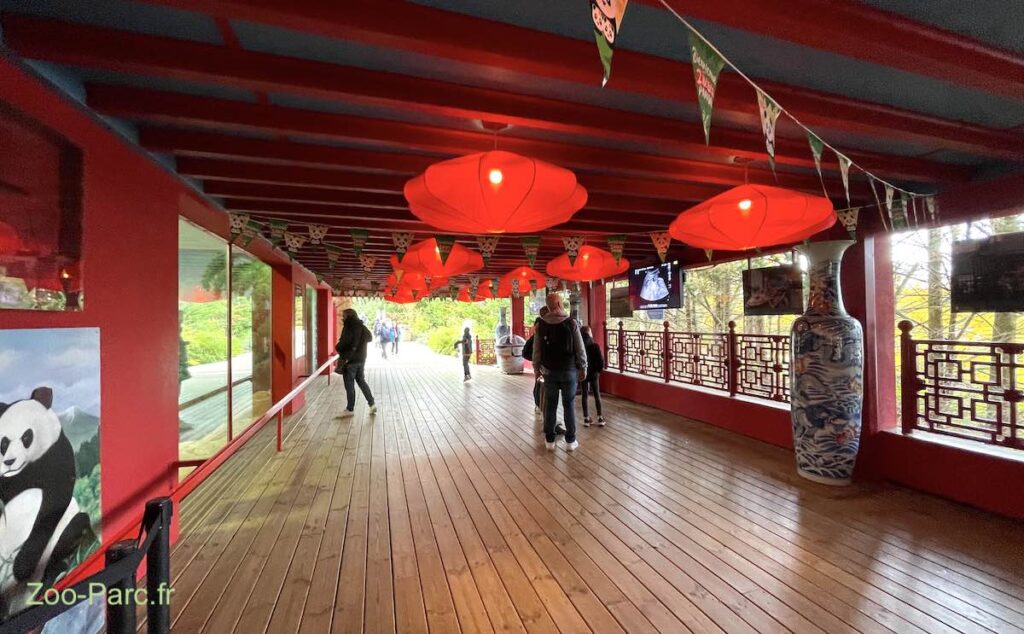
[[592, 382], [467, 351]]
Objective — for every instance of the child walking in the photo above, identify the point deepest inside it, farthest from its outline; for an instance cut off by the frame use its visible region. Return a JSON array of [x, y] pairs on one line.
[[592, 382]]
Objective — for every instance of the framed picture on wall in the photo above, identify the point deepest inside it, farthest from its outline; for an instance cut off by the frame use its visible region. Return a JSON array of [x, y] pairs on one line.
[[988, 275], [40, 216], [774, 290]]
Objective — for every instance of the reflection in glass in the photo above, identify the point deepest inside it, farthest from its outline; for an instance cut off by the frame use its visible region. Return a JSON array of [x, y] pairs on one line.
[[250, 339], [299, 338], [203, 363], [311, 329]]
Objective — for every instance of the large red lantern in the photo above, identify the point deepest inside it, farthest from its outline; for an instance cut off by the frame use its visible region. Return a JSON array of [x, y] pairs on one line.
[[591, 264], [425, 257], [751, 216], [528, 280], [494, 192]]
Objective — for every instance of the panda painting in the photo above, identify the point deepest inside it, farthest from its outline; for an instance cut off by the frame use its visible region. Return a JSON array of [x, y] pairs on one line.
[[41, 524]]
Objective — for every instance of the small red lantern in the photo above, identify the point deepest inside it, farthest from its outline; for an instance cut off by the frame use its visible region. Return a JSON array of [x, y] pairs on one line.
[[482, 292], [404, 295], [591, 264], [751, 216], [425, 257], [525, 275], [494, 192], [417, 281]]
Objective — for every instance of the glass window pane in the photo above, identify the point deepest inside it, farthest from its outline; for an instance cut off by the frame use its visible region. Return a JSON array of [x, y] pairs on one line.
[[203, 363], [299, 339], [311, 331], [251, 339]]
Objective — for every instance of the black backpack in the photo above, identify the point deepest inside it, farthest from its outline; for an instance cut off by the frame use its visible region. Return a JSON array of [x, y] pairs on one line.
[[556, 344]]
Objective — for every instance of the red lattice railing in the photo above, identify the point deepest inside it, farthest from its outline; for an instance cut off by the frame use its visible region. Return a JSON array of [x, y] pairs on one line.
[[752, 365], [970, 390]]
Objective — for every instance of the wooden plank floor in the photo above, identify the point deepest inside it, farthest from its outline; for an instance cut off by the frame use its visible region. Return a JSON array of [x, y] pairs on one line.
[[445, 513]]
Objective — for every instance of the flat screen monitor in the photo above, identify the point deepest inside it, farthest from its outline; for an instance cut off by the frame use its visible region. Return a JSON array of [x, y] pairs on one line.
[[657, 287]]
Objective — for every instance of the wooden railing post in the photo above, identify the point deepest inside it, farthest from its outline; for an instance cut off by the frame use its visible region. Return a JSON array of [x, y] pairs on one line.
[[733, 359], [622, 348], [604, 334], [666, 353], [478, 349], [908, 378]]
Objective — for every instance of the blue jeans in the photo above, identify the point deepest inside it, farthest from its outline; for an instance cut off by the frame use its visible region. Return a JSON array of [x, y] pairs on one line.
[[561, 382], [352, 373]]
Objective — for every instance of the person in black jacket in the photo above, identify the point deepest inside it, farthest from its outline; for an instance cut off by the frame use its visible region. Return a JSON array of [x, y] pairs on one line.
[[355, 336], [467, 351], [592, 382], [538, 381]]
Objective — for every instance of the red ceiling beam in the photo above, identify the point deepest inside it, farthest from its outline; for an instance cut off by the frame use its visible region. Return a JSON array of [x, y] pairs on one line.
[[188, 110], [123, 51], [190, 143], [399, 25]]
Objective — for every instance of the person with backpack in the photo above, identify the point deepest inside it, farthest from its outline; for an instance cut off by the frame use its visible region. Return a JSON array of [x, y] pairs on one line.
[[351, 349], [396, 334], [467, 351], [560, 357], [592, 382]]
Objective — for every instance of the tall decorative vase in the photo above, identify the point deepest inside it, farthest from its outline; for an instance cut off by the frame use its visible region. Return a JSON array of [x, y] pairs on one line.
[[502, 330], [826, 373]]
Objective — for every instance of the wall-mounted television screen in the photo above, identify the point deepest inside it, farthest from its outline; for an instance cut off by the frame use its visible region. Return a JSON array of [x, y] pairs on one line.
[[619, 306], [657, 287], [988, 274], [775, 290]]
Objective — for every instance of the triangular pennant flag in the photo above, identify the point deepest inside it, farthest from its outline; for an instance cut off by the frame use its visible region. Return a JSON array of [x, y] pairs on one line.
[[533, 283], [707, 64], [531, 244], [616, 245], [453, 291], [402, 240], [817, 148], [515, 287], [848, 217], [359, 238], [495, 284], [487, 246], [844, 171], [444, 247], [661, 240], [878, 201], [932, 206], [607, 18], [277, 230], [251, 230], [769, 117], [474, 286], [572, 247], [368, 262], [889, 193], [709, 253], [333, 255], [317, 233], [238, 222], [898, 213], [294, 241]]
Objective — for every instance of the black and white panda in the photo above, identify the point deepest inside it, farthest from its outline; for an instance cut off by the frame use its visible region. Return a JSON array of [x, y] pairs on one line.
[[41, 524]]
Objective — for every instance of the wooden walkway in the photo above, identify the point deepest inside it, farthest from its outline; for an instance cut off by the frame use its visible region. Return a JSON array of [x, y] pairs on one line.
[[444, 513]]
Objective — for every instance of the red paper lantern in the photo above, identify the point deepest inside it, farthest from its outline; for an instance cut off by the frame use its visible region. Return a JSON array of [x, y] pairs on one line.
[[417, 281], [425, 257], [404, 295], [751, 216], [494, 192], [482, 292], [525, 275], [591, 264]]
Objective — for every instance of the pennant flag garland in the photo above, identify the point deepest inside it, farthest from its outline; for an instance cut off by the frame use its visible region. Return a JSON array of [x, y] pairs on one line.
[[878, 201], [294, 241], [368, 262], [709, 253], [487, 246], [607, 17], [848, 217], [707, 64], [844, 171], [572, 247], [359, 238], [515, 287], [769, 116], [817, 148], [402, 240], [277, 231], [616, 245], [444, 247], [333, 255], [317, 233], [495, 283], [932, 207], [661, 240], [531, 244], [474, 285], [251, 230], [898, 213], [239, 222]]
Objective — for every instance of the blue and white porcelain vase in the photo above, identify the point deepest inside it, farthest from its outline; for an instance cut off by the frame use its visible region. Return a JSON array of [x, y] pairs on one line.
[[826, 373]]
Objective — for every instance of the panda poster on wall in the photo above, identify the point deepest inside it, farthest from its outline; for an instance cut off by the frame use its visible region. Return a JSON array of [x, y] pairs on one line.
[[49, 457]]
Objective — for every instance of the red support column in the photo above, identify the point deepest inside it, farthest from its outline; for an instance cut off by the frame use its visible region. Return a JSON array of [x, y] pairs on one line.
[[518, 317]]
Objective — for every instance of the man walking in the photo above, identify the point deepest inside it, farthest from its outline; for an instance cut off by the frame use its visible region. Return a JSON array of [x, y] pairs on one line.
[[467, 352], [351, 348], [560, 357]]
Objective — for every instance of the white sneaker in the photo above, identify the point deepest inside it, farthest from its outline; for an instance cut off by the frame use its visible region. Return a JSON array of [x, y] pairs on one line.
[[373, 410], [572, 446], [347, 414], [549, 445]]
